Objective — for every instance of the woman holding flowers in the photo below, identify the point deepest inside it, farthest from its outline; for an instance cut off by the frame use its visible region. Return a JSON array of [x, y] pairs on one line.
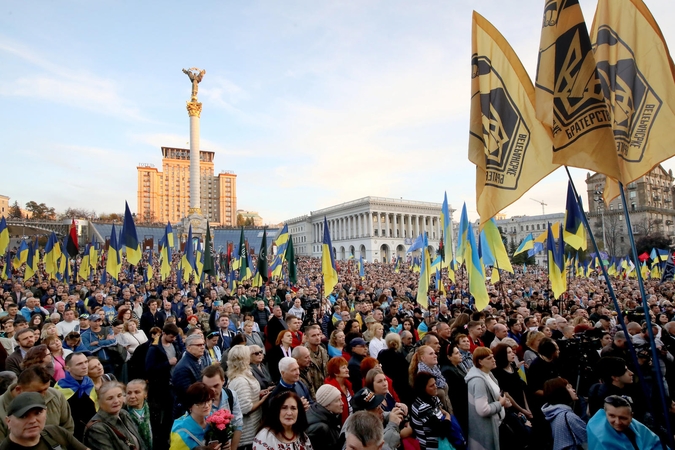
[[189, 431]]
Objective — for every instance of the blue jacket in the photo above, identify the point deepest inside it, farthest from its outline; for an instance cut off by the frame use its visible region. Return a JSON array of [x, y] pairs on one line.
[[89, 336], [602, 435], [187, 371]]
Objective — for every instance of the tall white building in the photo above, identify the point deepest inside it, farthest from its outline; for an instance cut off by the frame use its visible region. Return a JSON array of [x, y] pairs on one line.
[[375, 228]]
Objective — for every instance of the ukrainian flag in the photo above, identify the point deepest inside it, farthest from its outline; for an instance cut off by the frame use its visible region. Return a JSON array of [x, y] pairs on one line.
[[93, 255], [575, 232], [425, 276], [282, 243], [397, 267], [556, 269], [475, 271], [113, 263], [436, 264], [6, 273], [32, 261], [462, 236], [187, 262], [525, 245], [21, 255], [149, 272], [165, 256], [416, 265], [53, 254], [362, 269], [330, 277], [447, 230], [4, 235], [85, 268], [168, 232], [130, 238]]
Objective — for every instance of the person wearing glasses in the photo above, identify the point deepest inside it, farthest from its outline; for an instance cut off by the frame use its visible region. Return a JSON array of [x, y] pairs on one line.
[[188, 370], [613, 427], [259, 368], [188, 431]]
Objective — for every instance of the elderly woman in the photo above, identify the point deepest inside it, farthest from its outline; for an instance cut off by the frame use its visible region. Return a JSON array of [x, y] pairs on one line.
[[259, 369], [139, 410], [337, 375], [111, 428], [132, 336], [324, 419], [246, 386], [486, 404], [284, 425], [189, 430], [253, 338]]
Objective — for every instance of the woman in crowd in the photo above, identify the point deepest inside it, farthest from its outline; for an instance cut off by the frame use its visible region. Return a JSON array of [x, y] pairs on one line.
[[284, 425], [259, 369], [486, 405], [124, 314], [253, 338], [395, 367], [376, 381], [132, 336], [188, 431], [568, 430], [394, 326], [459, 326], [377, 343], [36, 321], [39, 356], [59, 354], [428, 419], [337, 375], [112, 428], [509, 380], [49, 329], [464, 344], [247, 388], [409, 325], [281, 349], [458, 393], [426, 360], [97, 374], [336, 345], [324, 418], [532, 347], [370, 363], [138, 409]]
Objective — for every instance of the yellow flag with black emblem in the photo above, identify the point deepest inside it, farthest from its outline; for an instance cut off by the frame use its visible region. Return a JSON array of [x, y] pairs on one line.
[[569, 99], [637, 77], [509, 146]]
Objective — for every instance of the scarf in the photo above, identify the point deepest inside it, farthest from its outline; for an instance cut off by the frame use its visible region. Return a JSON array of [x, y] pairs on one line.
[[143, 424], [70, 386], [435, 371]]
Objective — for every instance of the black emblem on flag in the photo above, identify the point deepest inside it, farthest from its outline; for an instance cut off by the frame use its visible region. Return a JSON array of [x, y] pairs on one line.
[[668, 270], [550, 14], [505, 135], [634, 103]]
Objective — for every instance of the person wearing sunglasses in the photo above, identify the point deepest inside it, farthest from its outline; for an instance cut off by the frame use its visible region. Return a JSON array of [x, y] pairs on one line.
[[613, 427]]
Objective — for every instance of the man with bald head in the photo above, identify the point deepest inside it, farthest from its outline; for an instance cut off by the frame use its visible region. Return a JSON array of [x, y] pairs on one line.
[[501, 331]]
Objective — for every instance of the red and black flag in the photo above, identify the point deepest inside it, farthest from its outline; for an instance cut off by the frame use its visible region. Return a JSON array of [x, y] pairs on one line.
[[72, 247]]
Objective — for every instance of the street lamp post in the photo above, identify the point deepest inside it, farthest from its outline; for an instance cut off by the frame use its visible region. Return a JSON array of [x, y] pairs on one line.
[[600, 201]]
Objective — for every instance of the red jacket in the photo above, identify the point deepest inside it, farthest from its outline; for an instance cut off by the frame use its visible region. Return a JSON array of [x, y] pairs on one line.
[[345, 403], [297, 339]]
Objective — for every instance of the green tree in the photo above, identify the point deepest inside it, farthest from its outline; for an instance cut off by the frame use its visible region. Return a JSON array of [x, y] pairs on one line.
[[40, 211], [15, 211], [650, 241]]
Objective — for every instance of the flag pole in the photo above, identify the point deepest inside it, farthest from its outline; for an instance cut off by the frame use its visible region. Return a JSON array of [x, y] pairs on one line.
[[610, 289], [652, 342]]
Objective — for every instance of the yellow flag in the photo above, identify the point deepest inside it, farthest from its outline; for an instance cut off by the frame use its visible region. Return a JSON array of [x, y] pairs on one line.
[[508, 145], [569, 99], [637, 79], [555, 228]]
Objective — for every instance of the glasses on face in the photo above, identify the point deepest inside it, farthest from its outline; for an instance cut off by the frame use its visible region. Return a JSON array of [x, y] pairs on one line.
[[204, 404], [257, 353], [197, 345]]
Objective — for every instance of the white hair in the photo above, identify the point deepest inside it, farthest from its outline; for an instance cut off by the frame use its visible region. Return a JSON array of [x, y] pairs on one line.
[[285, 363]]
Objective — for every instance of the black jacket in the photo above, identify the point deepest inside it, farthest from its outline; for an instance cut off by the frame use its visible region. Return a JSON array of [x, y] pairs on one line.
[[355, 372], [324, 428]]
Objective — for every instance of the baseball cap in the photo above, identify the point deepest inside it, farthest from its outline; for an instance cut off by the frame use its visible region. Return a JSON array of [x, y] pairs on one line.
[[84, 316], [357, 341], [24, 402], [95, 317], [365, 399]]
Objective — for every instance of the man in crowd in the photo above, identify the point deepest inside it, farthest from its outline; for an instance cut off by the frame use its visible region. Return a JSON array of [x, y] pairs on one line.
[[290, 381], [214, 378], [68, 323], [78, 389], [26, 339], [613, 427], [188, 370], [359, 352]]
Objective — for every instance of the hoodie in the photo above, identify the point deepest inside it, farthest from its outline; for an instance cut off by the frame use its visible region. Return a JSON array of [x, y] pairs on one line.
[[568, 430]]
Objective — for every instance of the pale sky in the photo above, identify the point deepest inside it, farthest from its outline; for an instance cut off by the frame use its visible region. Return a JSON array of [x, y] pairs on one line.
[[309, 103]]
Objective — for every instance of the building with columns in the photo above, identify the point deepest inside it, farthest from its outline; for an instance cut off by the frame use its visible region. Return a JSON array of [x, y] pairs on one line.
[[375, 228]]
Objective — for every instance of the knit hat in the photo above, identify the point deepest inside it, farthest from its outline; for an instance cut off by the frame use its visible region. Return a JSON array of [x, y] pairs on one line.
[[327, 394]]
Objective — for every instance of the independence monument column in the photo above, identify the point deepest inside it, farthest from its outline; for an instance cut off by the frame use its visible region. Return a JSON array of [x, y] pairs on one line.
[[194, 108]]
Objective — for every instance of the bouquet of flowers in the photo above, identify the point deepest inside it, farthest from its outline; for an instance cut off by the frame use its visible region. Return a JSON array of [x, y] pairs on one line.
[[220, 427]]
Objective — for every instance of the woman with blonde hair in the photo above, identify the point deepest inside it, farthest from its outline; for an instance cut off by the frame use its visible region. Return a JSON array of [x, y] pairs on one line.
[[252, 337], [426, 360], [377, 343], [49, 329], [132, 336], [247, 388], [532, 347], [336, 345]]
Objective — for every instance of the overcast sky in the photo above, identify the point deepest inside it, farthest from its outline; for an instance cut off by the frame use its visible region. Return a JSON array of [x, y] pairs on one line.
[[309, 103]]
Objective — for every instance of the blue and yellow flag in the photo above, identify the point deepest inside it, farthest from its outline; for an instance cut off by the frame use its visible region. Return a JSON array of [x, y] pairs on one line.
[[4, 235], [6, 273], [21, 255], [113, 263], [416, 265], [85, 268], [149, 272], [187, 262], [446, 223], [475, 271], [32, 260], [168, 232], [462, 236], [362, 269], [508, 144], [439, 283], [165, 256], [53, 255], [281, 243], [556, 268], [525, 245], [492, 238], [436, 264], [574, 232], [425, 276], [130, 238], [330, 277], [397, 267]]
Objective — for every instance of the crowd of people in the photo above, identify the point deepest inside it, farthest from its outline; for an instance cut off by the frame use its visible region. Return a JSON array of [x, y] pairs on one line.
[[144, 364]]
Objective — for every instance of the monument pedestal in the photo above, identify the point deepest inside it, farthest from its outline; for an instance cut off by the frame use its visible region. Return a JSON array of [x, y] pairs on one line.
[[198, 222]]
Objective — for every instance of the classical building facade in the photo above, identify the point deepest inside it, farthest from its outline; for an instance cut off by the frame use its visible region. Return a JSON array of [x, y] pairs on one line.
[[4, 206], [165, 196], [516, 228], [376, 228], [650, 207]]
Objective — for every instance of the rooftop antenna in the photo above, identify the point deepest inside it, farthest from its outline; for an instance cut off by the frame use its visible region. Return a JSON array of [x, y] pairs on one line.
[[541, 202]]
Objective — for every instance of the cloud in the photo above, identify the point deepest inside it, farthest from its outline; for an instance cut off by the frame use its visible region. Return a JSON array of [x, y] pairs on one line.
[[74, 87]]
